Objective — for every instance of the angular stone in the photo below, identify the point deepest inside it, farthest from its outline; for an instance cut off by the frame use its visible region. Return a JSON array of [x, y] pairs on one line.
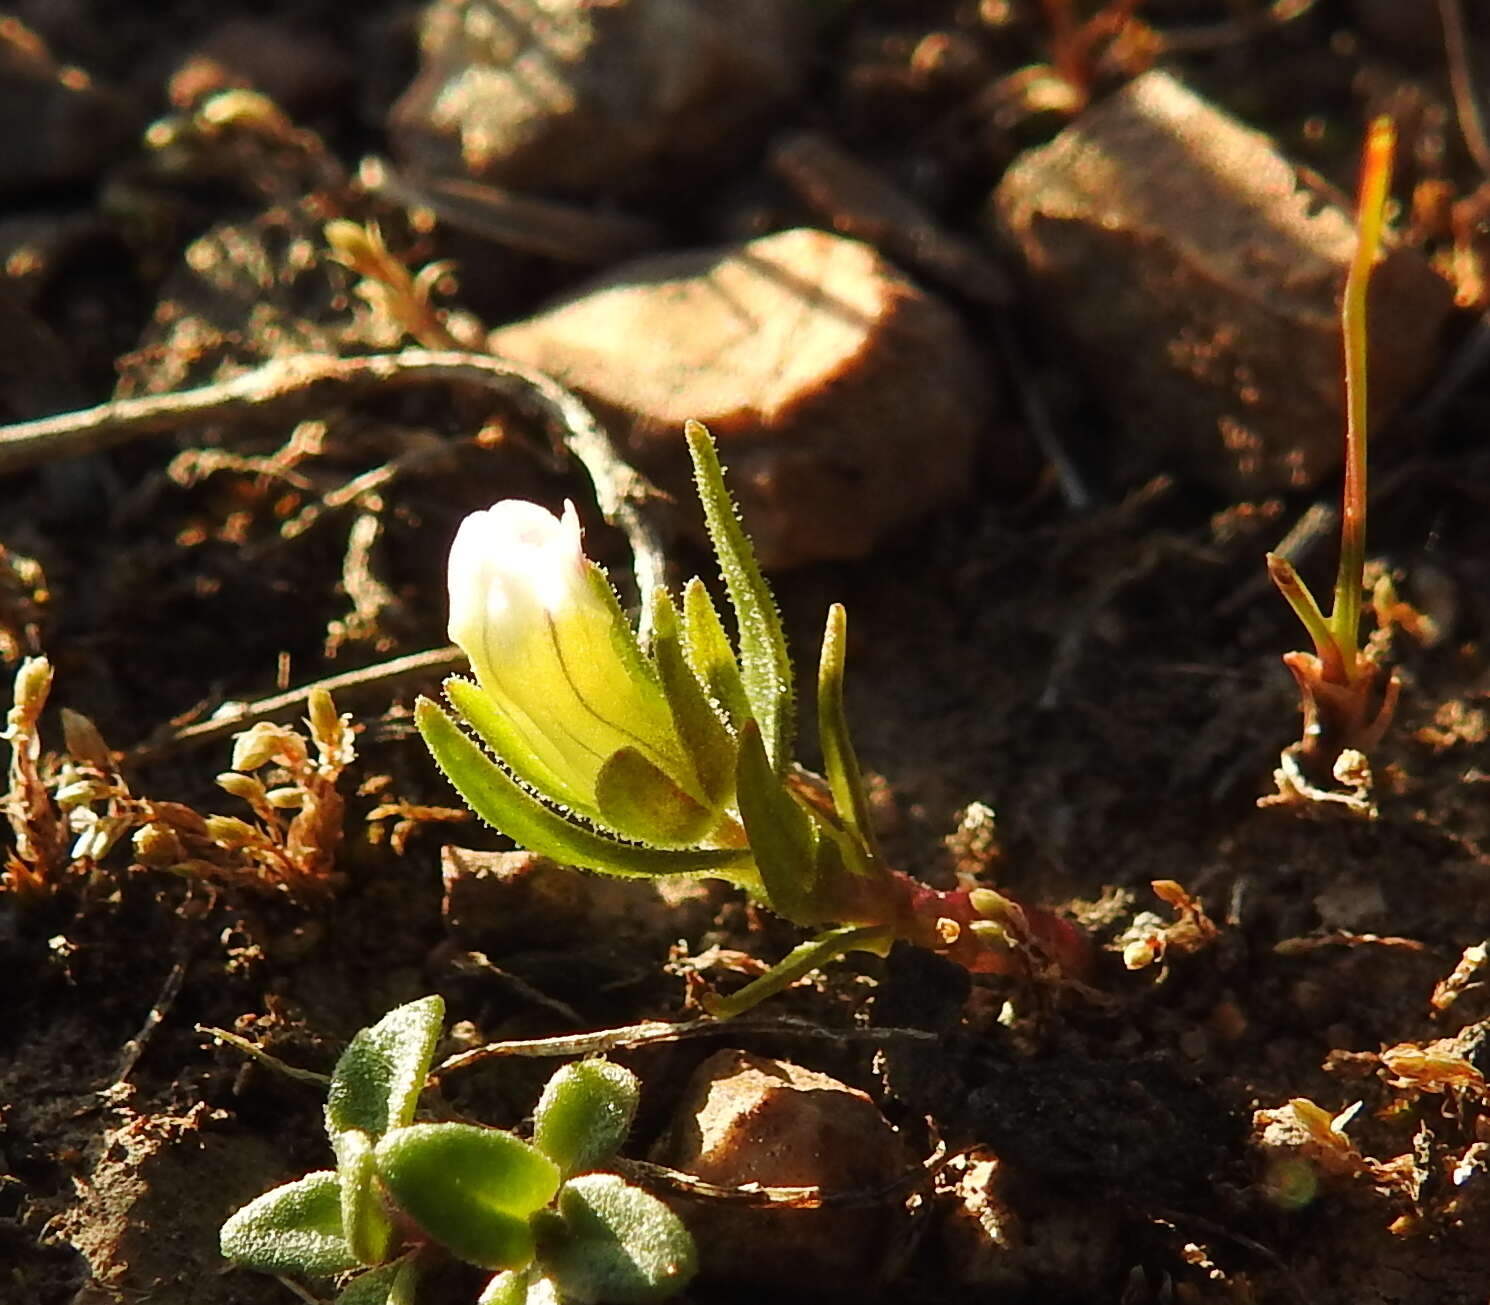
[[1197, 275], [846, 401], [576, 97], [750, 1119]]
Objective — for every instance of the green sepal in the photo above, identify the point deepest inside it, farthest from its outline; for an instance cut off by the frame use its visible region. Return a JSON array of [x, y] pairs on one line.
[[520, 1287], [364, 1226], [643, 674], [584, 1114], [377, 1081], [765, 665], [639, 801], [505, 805], [389, 1284], [615, 1243], [802, 959], [295, 1228], [840, 764], [471, 1189], [781, 834], [710, 654], [508, 745], [706, 737]]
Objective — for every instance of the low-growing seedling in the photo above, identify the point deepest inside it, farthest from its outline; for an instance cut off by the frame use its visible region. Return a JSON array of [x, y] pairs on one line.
[[540, 1215], [676, 759], [1346, 708]]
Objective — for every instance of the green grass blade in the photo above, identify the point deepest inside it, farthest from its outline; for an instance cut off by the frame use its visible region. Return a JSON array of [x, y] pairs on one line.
[[505, 805], [765, 666]]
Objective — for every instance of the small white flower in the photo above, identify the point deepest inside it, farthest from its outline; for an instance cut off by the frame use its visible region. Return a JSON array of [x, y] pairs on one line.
[[551, 649]]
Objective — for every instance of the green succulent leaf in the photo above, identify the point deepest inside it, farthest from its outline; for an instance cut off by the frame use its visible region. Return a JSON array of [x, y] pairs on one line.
[[471, 1189], [505, 805], [295, 1228], [781, 834], [640, 801], [709, 653], [584, 1114], [363, 1223], [616, 1243], [705, 735], [520, 1287], [377, 1081], [389, 1284], [840, 763], [765, 665]]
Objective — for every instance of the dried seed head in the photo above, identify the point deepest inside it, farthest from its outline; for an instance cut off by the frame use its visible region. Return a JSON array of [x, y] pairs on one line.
[[258, 746]]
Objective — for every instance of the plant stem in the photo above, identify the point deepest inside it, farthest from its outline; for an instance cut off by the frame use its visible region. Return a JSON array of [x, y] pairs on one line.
[[1376, 174]]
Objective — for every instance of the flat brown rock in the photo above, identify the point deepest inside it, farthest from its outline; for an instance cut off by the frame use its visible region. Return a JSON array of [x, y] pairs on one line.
[[1197, 276], [847, 402]]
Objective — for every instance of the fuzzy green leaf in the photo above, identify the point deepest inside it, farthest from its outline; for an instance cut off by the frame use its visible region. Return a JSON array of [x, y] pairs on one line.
[[617, 1244], [389, 1284], [707, 738], [295, 1228], [781, 834], [363, 1223], [377, 1081], [839, 760], [585, 1113], [471, 1189], [505, 805], [765, 665], [520, 1287], [639, 801]]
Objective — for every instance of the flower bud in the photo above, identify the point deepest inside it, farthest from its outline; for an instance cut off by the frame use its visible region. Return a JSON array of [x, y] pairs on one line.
[[554, 655]]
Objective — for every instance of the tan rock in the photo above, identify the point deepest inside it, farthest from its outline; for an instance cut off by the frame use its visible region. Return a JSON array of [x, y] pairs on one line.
[[1197, 274], [847, 402], [579, 97], [750, 1119]]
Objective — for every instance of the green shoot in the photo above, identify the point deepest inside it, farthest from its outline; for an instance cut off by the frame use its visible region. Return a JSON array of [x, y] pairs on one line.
[[1337, 683]]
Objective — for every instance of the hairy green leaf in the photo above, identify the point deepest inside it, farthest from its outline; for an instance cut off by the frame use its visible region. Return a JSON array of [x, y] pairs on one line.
[[505, 805], [710, 653], [585, 1113], [840, 763], [707, 738], [363, 1223], [389, 1284], [640, 801], [765, 665], [617, 1244], [509, 744], [292, 1229], [781, 834], [520, 1287], [471, 1189], [377, 1081]]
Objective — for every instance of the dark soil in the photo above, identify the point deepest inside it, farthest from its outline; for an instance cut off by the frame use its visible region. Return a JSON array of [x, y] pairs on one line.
[[1106, 680]]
